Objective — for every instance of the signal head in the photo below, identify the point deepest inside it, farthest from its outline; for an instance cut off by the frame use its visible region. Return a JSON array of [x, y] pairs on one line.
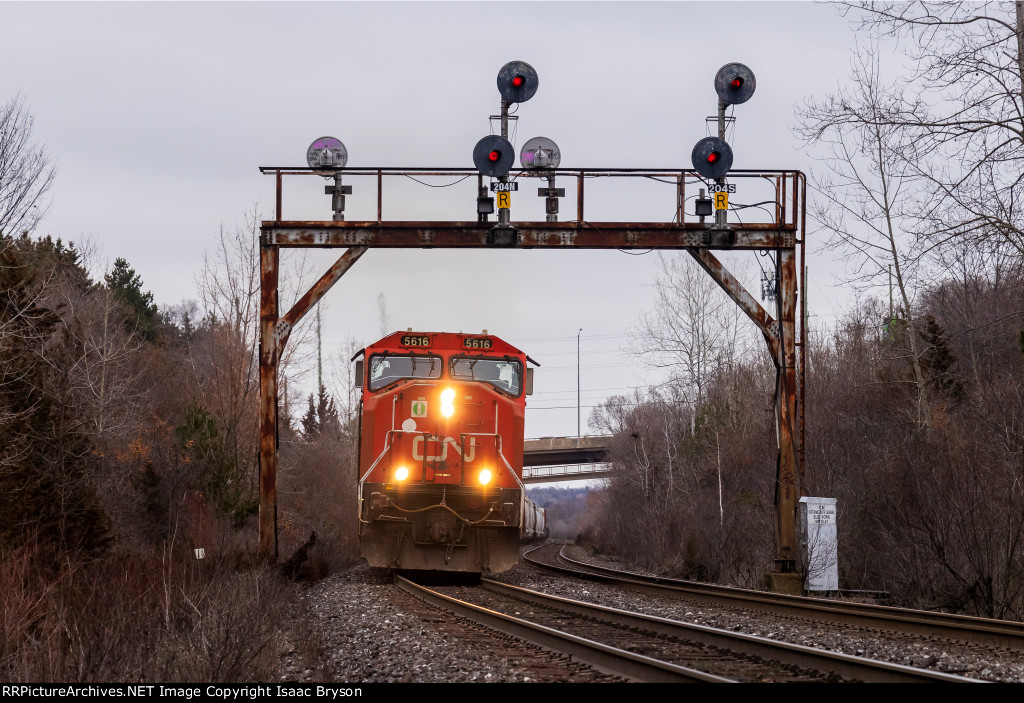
[[327, 152], [712, 157], [540, 153], [517, 81], [493, 156], [734, 83]]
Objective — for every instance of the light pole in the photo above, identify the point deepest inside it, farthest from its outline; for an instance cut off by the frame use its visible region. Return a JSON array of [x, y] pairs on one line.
[[578, 434]]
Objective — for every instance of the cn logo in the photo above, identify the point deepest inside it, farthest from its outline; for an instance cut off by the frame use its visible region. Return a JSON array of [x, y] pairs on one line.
[[417, 449]]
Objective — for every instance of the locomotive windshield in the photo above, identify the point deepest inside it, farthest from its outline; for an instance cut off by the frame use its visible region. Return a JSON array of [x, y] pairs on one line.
[[504, 374], [385, 369]]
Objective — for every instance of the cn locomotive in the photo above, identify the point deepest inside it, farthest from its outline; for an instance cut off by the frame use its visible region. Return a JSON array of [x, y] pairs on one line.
[[441, 453]]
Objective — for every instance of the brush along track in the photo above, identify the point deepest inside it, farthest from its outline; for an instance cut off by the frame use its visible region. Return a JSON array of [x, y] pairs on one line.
[[647, 648], [988, 633]]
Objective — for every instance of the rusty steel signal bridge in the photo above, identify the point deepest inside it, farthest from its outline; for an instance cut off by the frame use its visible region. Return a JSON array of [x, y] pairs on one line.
[[782, 328]]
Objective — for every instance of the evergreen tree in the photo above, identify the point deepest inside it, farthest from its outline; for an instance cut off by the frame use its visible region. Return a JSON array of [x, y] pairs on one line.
[[127, 286], [215, 472], [310, 425], [321, 418], [45, 462], [938, 361]]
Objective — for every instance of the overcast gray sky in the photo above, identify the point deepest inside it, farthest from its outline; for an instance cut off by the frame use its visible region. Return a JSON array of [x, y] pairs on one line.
[[159, 115]]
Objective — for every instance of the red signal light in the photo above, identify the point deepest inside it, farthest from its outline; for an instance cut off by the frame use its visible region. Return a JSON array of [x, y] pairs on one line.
[[713, 157], [494, 155], [517, 81], [736, 83]]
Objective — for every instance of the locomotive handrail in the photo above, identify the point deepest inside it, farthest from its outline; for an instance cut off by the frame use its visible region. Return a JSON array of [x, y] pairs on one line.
[[362, 480]]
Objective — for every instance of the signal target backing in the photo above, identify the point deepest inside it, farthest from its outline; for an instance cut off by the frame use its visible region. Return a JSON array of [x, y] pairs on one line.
[[734, 83], [327, 152], [540, 153], [517, 91], [704, 164], [493, 145]]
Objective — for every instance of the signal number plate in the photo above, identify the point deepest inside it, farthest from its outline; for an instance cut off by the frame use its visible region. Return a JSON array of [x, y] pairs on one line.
[[415, 340], [477, 343]]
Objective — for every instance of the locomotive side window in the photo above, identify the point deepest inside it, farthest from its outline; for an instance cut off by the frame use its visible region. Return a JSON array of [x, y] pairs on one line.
[[504, 374], [385, 369]]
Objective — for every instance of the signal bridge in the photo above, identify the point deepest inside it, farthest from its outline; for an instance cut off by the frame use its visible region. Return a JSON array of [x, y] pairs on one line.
[[771, 219]]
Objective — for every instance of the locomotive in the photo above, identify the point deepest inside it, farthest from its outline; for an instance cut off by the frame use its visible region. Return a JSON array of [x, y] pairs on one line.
[[441, 453]]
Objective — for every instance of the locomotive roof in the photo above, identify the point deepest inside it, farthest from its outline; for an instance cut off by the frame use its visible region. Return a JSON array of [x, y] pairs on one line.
[[465, 342], [447, 341]]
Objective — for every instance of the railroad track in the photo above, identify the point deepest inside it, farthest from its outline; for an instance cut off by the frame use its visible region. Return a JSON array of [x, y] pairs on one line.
[[972, 630], [647, 648]]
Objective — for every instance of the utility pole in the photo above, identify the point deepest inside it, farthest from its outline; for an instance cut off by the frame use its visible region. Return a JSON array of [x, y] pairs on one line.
[[578, 432], [319, 355]]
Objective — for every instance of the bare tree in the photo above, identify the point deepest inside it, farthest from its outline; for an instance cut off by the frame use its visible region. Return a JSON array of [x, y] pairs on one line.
[[26, 173], [962, 109], [694, 330], [227, 364], [105, 374], [864, 194]]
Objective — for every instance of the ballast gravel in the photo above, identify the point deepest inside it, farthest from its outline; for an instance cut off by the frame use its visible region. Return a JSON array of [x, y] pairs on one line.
[[973, 661], [352, 628]]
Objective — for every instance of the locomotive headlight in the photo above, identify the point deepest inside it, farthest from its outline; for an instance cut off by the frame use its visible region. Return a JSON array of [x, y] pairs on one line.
[[401, 473], [485, 477], [448, 402]]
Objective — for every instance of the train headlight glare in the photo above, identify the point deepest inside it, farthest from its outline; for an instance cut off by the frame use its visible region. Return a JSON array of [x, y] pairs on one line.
[[447, 402], [485, 477], [401, 473]]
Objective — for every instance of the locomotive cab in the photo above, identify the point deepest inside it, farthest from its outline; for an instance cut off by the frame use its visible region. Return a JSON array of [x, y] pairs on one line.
[[441, 452]]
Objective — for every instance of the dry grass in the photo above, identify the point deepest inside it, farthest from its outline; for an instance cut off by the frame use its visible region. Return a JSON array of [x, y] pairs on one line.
[[138, 617]]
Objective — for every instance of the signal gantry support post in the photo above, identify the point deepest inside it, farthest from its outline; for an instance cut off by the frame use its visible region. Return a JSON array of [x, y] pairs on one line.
[[274, 333], [785, 338], [269, 259]]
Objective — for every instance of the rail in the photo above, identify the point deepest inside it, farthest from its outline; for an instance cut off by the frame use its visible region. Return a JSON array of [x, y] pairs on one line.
[[738, 652], [601, 656], [833, 663], [983, 631]]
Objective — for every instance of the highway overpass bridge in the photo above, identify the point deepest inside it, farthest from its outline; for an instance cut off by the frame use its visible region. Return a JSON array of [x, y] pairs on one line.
[[552, 459]]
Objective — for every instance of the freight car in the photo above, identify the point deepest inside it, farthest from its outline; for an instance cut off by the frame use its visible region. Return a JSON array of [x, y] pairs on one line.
[[441, 453]]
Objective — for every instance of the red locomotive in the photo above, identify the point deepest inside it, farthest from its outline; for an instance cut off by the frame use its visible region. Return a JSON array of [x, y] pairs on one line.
[[441, 453]]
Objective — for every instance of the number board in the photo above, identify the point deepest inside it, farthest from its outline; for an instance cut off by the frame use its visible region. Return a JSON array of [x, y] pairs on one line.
[[477, 343], [415, 340]]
